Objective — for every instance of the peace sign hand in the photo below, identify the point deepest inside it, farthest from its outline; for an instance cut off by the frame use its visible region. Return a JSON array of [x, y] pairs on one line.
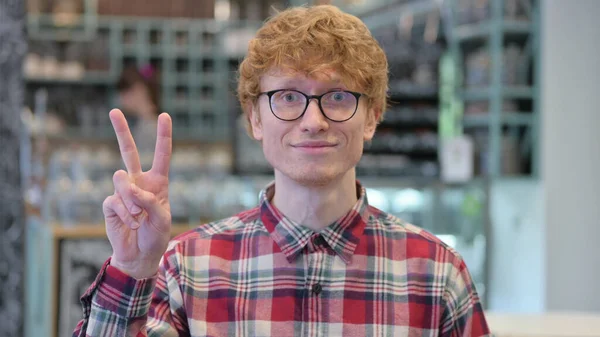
[[138, 214]]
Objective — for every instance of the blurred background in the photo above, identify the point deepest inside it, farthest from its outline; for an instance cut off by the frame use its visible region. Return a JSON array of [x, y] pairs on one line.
[[490, 142]]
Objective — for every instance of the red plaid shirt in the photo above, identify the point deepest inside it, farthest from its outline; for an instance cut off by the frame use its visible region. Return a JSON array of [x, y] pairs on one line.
[[261, 274]]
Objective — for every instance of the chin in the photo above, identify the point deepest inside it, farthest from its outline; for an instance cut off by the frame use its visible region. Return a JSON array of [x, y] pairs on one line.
[[313, 175], [313, 180], [308, 171]]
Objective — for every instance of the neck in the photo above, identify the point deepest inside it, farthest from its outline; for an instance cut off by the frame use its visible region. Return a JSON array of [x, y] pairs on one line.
[[147, 111], [315, 207]]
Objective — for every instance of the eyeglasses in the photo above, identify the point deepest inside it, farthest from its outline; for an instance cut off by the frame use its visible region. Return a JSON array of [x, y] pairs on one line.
[[335, 105]]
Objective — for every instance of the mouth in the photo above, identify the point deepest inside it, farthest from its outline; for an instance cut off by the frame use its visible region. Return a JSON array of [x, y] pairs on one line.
[[315, 146]]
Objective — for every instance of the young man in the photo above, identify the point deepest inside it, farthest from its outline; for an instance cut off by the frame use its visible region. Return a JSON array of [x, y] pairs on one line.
[[313, 259]]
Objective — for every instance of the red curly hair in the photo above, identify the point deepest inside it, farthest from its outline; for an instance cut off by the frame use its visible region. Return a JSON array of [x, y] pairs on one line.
[[312, 41]]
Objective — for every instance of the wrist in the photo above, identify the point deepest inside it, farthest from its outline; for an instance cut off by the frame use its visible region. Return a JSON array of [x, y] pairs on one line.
[[137, 270]]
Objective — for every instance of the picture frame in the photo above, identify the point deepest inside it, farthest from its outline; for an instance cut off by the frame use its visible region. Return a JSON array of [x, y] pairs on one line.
[[80, 262]]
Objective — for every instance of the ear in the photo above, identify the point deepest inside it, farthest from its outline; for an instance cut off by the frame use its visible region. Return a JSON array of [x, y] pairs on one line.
[[254, 116], [373, 116]]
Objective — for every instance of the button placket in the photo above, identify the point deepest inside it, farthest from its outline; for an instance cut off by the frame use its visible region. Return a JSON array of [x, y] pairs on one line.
[[317, 261]]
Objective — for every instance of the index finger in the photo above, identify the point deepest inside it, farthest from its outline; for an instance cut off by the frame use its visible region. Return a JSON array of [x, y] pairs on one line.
[[127, 146], [164, 140]]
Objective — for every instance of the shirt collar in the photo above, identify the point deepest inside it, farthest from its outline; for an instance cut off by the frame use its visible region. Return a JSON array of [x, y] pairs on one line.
[[342, 236]]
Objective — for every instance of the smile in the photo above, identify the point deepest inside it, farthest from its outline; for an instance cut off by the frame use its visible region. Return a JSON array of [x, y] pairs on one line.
[[315, 147]]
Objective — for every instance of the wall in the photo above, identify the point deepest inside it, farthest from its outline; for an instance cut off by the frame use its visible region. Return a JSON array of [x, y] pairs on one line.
[[12, 50], [517, 261], [571, 152]]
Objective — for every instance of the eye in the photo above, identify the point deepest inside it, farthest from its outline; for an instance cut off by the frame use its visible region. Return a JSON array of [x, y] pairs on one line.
[[287, 97], [290, 97], [338, 96]]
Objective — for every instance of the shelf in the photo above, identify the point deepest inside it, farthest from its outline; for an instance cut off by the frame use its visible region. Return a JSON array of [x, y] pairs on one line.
[[44, 27], [518, 92], [478, 31], [107, 135], [99, 230], [408, 124], [201, 134], [156, 51], [192, 56], [507, 118], [205, 106], [97, 134], [412, 90], [177, 51], [487, 41], [131, 50], [200, 78], [517, 27], [50, 20], [514, 92], [88, 79], [416, 153], [475, 94], [374, 17], [409, 117], [164, 52]]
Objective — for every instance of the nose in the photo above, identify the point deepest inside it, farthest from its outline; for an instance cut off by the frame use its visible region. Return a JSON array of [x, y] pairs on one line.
[[313, 120]]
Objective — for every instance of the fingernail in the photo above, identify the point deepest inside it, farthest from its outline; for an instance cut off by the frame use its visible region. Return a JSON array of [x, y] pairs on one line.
[[135, 209], [135, 225]]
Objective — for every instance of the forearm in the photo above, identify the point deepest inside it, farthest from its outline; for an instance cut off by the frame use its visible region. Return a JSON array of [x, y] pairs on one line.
[[119, 305], [116, 305]]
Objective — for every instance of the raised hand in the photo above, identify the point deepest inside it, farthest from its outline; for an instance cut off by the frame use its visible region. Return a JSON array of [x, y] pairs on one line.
[[138, 214]]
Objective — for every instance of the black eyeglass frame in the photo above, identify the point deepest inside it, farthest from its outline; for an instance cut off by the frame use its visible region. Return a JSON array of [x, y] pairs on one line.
[[270, 94]]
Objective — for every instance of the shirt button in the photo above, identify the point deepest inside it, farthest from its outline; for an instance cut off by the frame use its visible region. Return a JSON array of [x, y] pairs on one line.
[[316, 288], [320, 241]]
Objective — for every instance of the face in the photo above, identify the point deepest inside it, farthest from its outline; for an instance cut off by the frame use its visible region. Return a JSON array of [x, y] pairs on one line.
[[134, 97], [311, 150]]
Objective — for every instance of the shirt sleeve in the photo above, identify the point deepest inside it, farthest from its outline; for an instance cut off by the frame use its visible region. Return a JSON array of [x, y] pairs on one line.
[[462, 314], [118, 305]]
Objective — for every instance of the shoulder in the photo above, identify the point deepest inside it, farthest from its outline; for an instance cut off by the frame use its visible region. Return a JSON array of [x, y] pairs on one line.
[[193, 252], [417, 242], [194, 249], [224, 227]]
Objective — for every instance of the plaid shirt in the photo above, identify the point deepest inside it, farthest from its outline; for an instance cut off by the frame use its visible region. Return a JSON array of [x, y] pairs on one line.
[[261, 274]]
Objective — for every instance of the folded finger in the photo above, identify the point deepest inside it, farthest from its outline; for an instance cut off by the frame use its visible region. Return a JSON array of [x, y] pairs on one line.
[[158, 214], [115, 211], [122, 184]]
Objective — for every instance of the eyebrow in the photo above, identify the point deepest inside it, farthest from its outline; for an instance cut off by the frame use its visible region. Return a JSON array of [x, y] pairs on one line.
[[296, 84]]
